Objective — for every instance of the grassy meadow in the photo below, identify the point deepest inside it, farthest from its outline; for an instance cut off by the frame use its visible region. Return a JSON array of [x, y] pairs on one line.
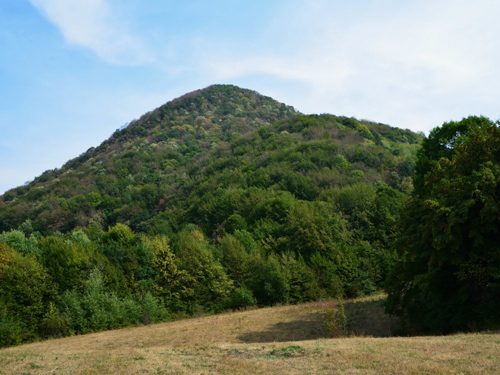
[[279, 340]]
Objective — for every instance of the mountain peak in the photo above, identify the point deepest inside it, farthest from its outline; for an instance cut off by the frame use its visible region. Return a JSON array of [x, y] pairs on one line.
[[216, 107]]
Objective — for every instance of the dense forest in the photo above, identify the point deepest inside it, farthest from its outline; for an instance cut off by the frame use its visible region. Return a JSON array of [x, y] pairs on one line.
[[220, 199], [447, 276]]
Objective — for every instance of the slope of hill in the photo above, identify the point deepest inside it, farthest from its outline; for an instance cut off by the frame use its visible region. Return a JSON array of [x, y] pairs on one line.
[[287, 339], [164, 142], [220, 199], [154, 163]]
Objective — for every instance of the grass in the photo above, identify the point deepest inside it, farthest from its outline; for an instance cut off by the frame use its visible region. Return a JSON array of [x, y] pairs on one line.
[[287, 339]]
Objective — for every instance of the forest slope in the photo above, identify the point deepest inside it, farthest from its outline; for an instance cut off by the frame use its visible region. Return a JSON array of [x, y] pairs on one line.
[[220, 199], [221, 136]]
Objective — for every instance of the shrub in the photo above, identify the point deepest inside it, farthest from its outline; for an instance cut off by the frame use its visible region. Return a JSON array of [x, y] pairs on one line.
[[241, 297], [152, 310], [11, 331], [96, 309], [336, 321]]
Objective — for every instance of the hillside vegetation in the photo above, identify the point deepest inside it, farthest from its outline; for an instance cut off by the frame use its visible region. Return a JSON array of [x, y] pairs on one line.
[[447, 276], [218, 200], [221, 137]]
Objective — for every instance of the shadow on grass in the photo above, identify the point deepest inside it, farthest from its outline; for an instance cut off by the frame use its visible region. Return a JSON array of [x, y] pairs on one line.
[[364, 318], [309, 327], [367, 318]]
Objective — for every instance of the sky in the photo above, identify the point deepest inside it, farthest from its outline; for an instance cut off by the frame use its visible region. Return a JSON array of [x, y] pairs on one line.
[[74, 71]]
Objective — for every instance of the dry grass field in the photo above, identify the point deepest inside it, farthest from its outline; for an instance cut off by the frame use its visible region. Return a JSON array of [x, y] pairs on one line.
[[281, 340]]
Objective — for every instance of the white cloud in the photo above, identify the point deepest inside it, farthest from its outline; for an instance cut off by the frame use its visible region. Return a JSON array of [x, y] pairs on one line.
[[417, 65], [92, 24]]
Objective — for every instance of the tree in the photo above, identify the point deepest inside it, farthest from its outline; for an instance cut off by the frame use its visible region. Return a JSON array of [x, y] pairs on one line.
[[448, 274], [26, 290], [209, 283], [170, 282], [18, 241], [442, 143], [64, 261]]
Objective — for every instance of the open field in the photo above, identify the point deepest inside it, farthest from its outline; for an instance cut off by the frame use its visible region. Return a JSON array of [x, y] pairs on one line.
[[280, 340]]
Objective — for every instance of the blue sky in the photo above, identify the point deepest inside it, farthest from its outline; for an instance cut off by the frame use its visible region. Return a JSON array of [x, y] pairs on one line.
[[73, 71]]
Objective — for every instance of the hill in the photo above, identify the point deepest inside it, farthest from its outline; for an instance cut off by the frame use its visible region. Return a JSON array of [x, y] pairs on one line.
[[220, 199], [154, 163], [286, 339], [146, 154]]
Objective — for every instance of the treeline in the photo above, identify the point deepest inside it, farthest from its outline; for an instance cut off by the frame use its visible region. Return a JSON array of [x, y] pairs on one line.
[[286, 251]]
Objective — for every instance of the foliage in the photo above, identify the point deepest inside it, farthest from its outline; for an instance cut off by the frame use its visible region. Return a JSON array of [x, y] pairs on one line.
[[222, 198], [18, 241], [447, 278], [170, 281], [11, 331], [269, 281], [64, 261], [241, 298], [209, 285], [25, 293], [336, 321], [96, 309]]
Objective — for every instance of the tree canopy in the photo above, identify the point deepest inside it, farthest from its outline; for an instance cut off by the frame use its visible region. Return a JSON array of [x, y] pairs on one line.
[[220, 199], [448, 274]]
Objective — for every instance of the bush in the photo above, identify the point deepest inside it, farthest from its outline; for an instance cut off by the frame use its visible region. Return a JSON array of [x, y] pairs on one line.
[[11, 331], [241, 298], [54, 324], [97, 309], [152, 310], [336, 321]]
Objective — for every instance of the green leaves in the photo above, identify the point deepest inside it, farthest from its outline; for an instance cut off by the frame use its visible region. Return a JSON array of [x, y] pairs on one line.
[[449, 233], [260, 205], [26, 289]]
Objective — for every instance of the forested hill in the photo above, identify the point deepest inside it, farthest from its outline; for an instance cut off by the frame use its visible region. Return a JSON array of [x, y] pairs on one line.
[[220, 199], [186, 161], [147, 151]]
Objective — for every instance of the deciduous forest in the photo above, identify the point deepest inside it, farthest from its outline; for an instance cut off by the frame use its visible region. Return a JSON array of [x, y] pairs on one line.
[[224, 199]]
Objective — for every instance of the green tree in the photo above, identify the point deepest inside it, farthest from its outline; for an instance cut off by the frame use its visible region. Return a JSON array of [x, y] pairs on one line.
[[441, 143], [18, 241], [448, 274], [26, 290], [210, 285], [124, 250], [170, 283], [235, 222], [234, 259], [270, 282], [311, 228], [64, 261]]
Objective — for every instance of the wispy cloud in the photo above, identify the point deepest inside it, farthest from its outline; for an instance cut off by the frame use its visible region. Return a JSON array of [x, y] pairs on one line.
[[94, 25], [426, 58]]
